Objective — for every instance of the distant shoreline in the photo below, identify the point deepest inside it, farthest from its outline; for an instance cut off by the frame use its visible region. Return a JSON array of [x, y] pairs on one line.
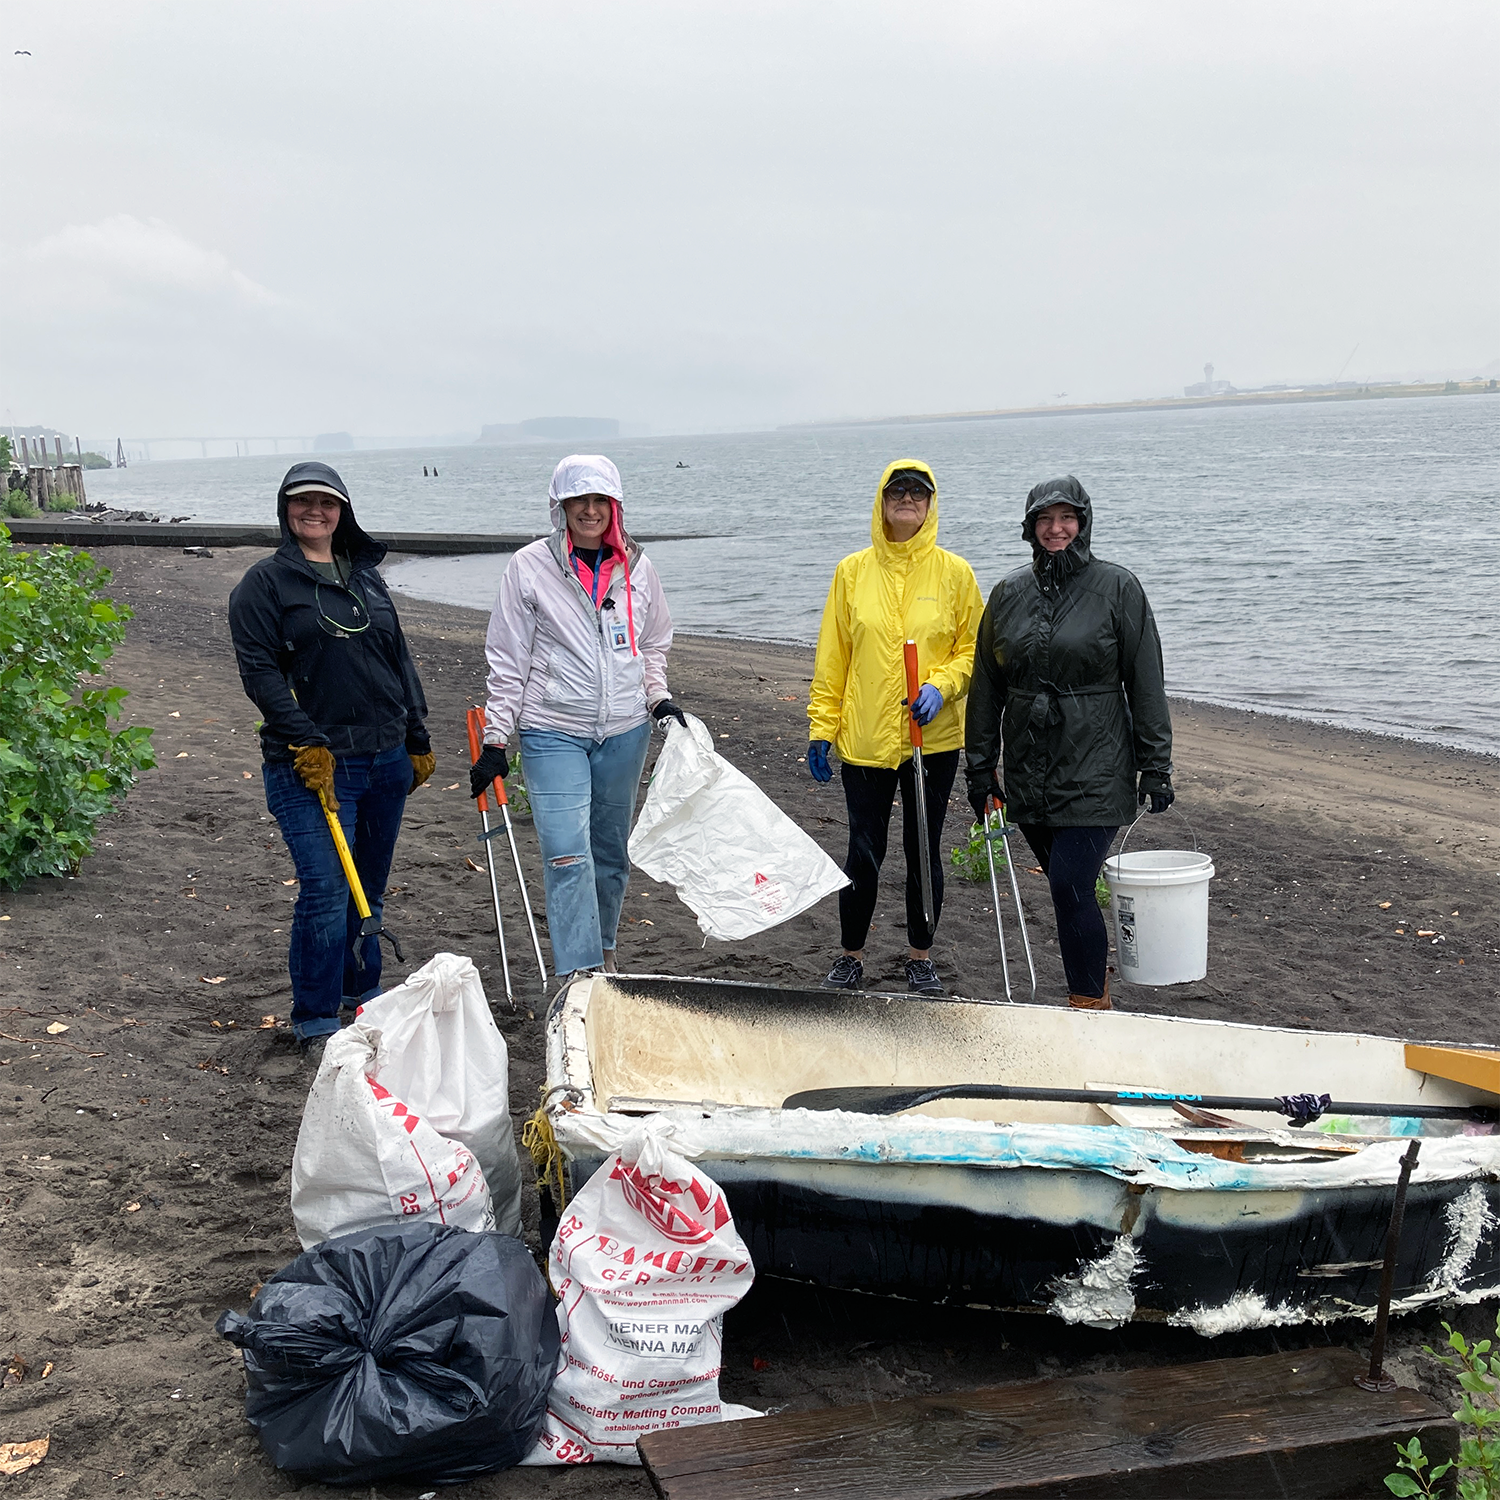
[[1300, 396]]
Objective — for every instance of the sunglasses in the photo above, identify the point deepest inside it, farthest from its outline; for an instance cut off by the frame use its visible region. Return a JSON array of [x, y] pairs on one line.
[[899, 488]]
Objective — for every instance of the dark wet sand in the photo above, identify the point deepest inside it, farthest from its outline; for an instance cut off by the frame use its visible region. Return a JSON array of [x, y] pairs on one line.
[[146, 1100]]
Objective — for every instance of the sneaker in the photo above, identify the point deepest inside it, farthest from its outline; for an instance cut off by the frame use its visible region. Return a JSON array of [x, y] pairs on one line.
[[847, 974], [922, 977], [312, 1050]]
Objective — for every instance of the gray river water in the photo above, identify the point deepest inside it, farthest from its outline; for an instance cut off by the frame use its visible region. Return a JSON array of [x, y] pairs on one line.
[[1335, 562]]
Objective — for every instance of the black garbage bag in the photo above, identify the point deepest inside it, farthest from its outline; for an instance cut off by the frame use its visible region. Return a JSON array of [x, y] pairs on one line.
[[408, 1349]]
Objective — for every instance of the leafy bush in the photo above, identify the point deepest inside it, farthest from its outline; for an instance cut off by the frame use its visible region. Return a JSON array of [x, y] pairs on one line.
[[970, 860], [1478, 1461], [515, 784], [17, 504], [61, 766], [62, 500], [972, 864]]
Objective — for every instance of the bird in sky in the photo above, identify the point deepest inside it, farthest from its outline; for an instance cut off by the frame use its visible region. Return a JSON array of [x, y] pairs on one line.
[[21, 53]]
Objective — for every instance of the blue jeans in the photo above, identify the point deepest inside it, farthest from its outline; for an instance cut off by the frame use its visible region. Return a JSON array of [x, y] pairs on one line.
[[330, 964], [583, 797]]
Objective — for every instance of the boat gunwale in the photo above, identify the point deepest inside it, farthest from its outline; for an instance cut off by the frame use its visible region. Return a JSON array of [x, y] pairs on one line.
[[914, 1140]]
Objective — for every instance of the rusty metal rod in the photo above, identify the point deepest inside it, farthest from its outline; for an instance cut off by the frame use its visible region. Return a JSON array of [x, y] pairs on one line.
[[1377, 1379]]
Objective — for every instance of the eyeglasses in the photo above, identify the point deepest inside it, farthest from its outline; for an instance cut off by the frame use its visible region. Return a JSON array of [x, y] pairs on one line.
[[899, 489], [339, 628]]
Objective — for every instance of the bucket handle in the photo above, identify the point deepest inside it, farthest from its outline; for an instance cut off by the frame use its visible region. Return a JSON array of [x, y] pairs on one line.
[[1120, 852]]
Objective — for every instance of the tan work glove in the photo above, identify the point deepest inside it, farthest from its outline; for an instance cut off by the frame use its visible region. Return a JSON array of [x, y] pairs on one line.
[[314, 764], [422, 766]]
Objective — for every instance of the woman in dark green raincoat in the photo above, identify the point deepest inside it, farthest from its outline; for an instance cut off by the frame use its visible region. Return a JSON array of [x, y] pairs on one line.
[[1068, 680]]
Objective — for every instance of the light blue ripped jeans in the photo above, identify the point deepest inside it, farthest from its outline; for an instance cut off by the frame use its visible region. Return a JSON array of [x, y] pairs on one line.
[[583, 798]]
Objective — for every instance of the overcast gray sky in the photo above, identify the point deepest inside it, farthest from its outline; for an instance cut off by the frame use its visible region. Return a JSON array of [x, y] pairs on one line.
[[418, 217]]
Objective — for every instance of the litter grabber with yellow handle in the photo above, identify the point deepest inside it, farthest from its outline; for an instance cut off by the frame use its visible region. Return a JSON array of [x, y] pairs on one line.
[[370, 925], [919, 781], [1015, 887], [475, 721]]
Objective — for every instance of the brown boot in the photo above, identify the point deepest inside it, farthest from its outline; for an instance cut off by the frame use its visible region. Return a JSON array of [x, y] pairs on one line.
[[1092, 1002]]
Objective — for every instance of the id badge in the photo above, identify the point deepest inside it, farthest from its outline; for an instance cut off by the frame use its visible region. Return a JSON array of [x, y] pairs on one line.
[[616, 631]]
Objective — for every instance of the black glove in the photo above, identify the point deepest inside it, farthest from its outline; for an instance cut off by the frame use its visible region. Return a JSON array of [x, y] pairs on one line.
[[983, 785], [666, 709], [1159, 790], [492, 762]]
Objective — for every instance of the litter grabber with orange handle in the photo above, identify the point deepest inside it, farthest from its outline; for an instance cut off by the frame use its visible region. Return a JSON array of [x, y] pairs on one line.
[[1015, 887], [370, 925], [919, 781], [496, 789]]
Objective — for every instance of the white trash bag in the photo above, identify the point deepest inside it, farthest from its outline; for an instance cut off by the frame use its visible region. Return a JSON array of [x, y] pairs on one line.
[[645, 1263], [738, 862], [444, 1056], [364, 1158]]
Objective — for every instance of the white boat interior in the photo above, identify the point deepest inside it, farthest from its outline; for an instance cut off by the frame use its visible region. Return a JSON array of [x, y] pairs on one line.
[[653, 1041]]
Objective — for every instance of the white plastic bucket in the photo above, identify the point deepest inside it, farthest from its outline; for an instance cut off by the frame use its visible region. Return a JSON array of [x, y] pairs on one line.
[[1159, 898]]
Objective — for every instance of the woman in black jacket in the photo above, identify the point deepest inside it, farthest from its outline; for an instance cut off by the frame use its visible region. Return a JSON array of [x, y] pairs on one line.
[[322, 656], [1068, 678]]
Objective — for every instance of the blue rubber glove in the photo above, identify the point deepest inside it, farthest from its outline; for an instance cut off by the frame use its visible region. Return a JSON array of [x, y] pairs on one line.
[[928, 701], [817, 761]]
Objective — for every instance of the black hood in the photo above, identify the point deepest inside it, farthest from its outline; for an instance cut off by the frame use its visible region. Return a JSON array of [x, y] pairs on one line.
[[349, 537], [1054, 567]]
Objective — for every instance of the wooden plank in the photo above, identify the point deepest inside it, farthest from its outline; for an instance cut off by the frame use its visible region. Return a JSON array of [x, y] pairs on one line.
[[1480, 1070], [1237, 1429]]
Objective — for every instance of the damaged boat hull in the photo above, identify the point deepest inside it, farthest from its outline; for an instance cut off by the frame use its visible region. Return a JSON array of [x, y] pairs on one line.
[[1095, 1224]]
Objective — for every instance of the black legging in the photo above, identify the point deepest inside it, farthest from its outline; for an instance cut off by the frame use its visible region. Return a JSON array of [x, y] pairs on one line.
[[869, 792], [1071, 858]]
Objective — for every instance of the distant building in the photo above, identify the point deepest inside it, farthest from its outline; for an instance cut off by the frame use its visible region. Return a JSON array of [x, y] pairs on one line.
[[1208, 386]]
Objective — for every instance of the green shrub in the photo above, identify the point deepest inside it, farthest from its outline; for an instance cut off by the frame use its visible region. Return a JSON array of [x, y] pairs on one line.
[[515, 784], [972, 864], [1478, 1415], [17, 505], [61, 500], [61, 766], [970, 860]]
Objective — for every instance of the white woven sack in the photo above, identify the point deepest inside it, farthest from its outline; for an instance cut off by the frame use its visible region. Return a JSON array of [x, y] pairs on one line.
[[363, 1158], [442, 1054], [738, 862], [646, 1262]]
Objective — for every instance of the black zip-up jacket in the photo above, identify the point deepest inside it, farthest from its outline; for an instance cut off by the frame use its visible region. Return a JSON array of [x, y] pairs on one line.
[[1068, 677], [315, 675]]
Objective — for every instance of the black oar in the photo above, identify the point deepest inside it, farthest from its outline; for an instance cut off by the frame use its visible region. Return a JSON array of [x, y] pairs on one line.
[[1302, 1108]]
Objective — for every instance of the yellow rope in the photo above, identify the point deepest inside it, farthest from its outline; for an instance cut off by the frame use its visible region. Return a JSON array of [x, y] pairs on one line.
[[546, 1156]]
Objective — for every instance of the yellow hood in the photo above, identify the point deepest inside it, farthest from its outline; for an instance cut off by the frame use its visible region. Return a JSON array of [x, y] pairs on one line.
[[903, 554]]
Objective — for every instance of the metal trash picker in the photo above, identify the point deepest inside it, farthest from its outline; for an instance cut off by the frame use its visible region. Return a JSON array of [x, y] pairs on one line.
[[370, 925], [919, 781], [475, 719], [1015, 886]]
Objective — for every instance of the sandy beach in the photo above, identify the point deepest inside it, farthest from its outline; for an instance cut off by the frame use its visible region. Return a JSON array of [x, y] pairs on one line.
[[146, 1150]]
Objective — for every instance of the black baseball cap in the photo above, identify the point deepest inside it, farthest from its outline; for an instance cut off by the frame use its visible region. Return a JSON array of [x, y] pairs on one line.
[[915, 476]]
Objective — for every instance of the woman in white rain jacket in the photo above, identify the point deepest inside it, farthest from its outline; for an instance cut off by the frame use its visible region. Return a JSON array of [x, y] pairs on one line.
[[577, 651]]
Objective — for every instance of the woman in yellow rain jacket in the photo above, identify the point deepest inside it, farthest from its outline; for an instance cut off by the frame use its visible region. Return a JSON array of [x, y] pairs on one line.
[[903, 587]]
